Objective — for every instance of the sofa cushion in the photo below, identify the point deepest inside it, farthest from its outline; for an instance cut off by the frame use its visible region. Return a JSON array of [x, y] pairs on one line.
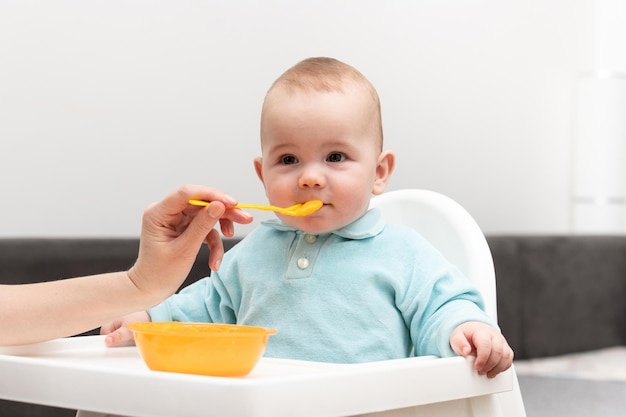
[[568, 293]]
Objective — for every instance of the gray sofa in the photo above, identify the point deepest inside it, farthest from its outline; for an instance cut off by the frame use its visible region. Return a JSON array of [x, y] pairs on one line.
[[560, 294], [556, 294]]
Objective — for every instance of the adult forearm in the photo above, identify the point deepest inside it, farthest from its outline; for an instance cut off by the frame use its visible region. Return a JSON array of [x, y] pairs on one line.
[[37, 312]]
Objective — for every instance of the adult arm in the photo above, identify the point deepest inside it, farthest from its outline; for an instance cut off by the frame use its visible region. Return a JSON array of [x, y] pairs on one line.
[[172, 234]]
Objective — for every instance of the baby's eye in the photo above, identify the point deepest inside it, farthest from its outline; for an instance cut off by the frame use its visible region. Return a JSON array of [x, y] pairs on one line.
[[288, 160], [336, 157]]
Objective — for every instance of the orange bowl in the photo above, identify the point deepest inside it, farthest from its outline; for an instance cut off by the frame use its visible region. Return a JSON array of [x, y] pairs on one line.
[[200, 348]]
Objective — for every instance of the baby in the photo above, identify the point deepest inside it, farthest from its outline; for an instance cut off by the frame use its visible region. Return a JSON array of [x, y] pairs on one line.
[[340, 285]]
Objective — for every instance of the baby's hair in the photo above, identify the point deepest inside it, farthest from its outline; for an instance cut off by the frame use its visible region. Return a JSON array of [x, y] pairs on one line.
[[322, 74], [327, 75]]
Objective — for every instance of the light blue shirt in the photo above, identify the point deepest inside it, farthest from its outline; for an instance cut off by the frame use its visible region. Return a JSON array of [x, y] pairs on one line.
[[369, 291]]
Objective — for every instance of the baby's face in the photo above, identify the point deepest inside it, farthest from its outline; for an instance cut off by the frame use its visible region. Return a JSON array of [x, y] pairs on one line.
[[320, 146]]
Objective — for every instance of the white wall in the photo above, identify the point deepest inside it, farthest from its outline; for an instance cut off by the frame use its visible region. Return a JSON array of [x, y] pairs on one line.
[[106, 106]]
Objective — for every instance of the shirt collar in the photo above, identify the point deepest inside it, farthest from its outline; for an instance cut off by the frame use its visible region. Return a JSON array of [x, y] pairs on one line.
[[366, 226]]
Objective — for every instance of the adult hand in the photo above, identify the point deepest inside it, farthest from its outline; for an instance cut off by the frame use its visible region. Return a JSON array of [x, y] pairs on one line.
[[172, 233]]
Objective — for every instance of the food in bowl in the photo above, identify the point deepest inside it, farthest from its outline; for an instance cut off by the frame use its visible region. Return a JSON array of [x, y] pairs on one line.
[[200, 348]]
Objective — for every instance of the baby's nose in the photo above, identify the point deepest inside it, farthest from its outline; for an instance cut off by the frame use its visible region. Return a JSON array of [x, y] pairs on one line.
[[312, 177]]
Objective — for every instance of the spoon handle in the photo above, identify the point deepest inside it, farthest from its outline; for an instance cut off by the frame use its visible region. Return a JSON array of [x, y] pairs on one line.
[[259, 207], [241, 205]]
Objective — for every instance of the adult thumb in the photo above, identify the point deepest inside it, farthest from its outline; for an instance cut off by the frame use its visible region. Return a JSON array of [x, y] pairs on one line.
[[202, 224]]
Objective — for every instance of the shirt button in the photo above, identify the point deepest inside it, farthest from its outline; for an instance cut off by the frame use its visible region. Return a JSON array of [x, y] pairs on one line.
[[303, 263], [310, 238]]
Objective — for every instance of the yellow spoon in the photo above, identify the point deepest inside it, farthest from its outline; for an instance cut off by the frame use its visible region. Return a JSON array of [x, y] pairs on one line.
[[301, 209]]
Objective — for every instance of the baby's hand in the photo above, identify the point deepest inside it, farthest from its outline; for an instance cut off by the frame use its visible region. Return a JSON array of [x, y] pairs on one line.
[[493, 353], [116, 331]]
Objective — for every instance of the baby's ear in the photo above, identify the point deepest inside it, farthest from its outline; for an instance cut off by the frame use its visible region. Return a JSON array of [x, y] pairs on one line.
[[258, 167], [384, 167]]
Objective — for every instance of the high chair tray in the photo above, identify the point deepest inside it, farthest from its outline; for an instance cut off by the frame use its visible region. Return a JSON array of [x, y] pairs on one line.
[[82, 373]]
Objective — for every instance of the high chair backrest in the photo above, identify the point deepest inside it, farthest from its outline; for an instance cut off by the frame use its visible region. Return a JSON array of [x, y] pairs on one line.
[[450, 229]]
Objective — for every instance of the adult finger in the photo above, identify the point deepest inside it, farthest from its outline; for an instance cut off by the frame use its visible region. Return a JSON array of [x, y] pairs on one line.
[[216, 249], [201, 226]]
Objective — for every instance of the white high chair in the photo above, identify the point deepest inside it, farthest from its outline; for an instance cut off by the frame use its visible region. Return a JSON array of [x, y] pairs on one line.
[[453, 231], [443, 390], [450, 229]]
